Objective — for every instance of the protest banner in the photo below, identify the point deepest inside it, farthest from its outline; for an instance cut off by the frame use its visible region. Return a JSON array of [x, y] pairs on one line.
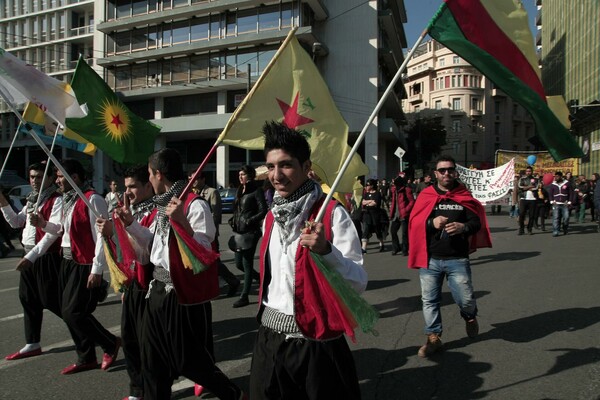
[[487, 185]]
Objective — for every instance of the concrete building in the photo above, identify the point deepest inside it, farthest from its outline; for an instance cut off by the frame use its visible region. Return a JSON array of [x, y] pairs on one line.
[[478, 118], [568, 41], [186, 65]]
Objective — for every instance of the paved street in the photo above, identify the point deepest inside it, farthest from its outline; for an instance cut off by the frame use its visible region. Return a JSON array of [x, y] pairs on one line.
[[539, 329]]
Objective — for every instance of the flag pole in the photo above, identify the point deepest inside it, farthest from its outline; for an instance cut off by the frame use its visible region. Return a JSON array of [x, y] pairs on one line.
[[9, 150], [37, 202], [50, 155], [237, 111], [367, 124]]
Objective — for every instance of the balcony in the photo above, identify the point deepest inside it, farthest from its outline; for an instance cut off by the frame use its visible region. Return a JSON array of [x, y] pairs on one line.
[[416, 98], [475, 113], [498, 93]]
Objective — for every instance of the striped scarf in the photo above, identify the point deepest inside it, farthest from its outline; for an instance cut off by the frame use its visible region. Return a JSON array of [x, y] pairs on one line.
[[32, 197]]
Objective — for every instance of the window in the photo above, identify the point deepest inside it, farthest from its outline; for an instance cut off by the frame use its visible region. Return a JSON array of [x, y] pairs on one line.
[[139, 7], [123, 8], [138, 41], [264, 57], [441, 62], [456, 104], [122, 76], [497, 107], [191, 105], [180, 68], [199, 68], [138, 76], [474, 149], [199, 29], [152, 37], [243, 60], [268, 18], [438, 104], [456, 128], [166, 35], [475, 104], [122, 42], [231, 22], [181, 32], [215, 26], [247, 21], [456, 60]]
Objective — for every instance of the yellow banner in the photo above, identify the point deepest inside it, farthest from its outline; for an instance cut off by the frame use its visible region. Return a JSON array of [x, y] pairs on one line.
[[544, 162]]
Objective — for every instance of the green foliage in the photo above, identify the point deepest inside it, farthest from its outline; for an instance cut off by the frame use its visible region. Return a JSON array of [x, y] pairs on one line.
[[426, 136]]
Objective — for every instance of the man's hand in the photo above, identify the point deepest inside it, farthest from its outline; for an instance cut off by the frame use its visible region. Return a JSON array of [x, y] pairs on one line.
[[23, 264], [37, 220], [454, 228], [313, 237], [104, 227], [124, 213], [94, 281], [174, 210], [3, 201], [440, 222]]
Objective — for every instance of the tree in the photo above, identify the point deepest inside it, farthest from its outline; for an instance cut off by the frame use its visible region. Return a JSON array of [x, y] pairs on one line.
[[426, 136]]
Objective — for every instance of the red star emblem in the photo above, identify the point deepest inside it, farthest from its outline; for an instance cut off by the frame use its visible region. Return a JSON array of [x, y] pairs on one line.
[[291, 118], [116, 120]]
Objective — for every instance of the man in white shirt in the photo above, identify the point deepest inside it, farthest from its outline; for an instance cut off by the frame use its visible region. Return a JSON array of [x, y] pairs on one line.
[[177, 326], [300, 350], [113, 198], [38, 285], [81, 270]]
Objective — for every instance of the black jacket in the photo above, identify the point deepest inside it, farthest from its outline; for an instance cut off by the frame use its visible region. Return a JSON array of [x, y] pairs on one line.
[[249, 209]]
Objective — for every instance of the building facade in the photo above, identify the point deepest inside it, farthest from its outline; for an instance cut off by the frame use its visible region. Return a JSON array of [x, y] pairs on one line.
[[186, 64], [478, 118], [568, 43]]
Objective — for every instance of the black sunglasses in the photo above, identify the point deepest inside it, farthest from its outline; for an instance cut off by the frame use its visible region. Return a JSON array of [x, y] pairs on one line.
[[450, 170]]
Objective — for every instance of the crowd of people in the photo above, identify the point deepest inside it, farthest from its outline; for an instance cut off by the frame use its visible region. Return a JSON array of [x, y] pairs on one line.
[[300, 349]]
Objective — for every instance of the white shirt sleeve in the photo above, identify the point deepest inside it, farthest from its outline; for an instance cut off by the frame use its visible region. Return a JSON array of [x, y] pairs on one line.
[[99, 261], [49, 238], [15, 220], [346, 254]]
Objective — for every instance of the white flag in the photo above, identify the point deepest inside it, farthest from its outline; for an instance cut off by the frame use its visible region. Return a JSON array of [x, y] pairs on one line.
[[20, 83]]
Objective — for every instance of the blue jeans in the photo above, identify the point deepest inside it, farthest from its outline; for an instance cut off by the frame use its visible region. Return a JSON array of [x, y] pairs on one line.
[[560, 211], [458, 273]]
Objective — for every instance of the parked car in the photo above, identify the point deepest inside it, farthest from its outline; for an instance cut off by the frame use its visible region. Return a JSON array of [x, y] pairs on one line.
[[18, 194], [227, 199]]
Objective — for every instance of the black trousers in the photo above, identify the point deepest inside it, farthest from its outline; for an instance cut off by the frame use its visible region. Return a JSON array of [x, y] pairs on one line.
[[526, 207], [77, 305], [178, 342], [38, 290], [132, 315], [300, 369], [394, 227]]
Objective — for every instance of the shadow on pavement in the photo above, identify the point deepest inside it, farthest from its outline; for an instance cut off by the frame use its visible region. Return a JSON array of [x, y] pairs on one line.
[[512, 255], [453, 376], [384, 283], [406, 305]]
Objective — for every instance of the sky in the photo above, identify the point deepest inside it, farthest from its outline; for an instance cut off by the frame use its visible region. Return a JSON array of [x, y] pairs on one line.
[[420, 12]]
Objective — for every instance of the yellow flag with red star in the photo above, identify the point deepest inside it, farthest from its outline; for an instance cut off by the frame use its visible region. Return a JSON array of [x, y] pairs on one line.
[[110, 125], [291, 90]]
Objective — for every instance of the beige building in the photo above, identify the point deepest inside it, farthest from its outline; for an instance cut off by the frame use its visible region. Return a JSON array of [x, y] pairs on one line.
[[478, 118]]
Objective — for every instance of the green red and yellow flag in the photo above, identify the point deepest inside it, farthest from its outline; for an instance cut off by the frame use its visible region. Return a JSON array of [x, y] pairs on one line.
[[291, 90], [494, 37], [109, 124]]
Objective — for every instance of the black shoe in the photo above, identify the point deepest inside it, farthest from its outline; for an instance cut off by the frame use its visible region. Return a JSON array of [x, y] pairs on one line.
[[364, 251], [242, 302], [103, 291], [233, 288], [394, 252], [381, 249], [529, 232], [521, 233]]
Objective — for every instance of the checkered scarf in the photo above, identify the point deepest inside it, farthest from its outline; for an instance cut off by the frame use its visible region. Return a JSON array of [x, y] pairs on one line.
[[291, 213], [32, 197], [161, 201], [140, 209], [69, 199]]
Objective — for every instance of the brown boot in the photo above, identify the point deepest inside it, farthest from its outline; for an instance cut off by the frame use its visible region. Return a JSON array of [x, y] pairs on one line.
[[433, 345]]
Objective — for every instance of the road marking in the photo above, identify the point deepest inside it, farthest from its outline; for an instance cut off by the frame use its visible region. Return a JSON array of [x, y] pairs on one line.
[[10, 289], [17, 316]]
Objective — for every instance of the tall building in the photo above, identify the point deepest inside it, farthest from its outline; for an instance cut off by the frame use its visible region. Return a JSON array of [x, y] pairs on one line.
[[186, 64], [50, 35], [569, 45], [478, 118]]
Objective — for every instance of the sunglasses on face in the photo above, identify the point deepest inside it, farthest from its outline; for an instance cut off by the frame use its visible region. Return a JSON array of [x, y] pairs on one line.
[[449, 170]]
